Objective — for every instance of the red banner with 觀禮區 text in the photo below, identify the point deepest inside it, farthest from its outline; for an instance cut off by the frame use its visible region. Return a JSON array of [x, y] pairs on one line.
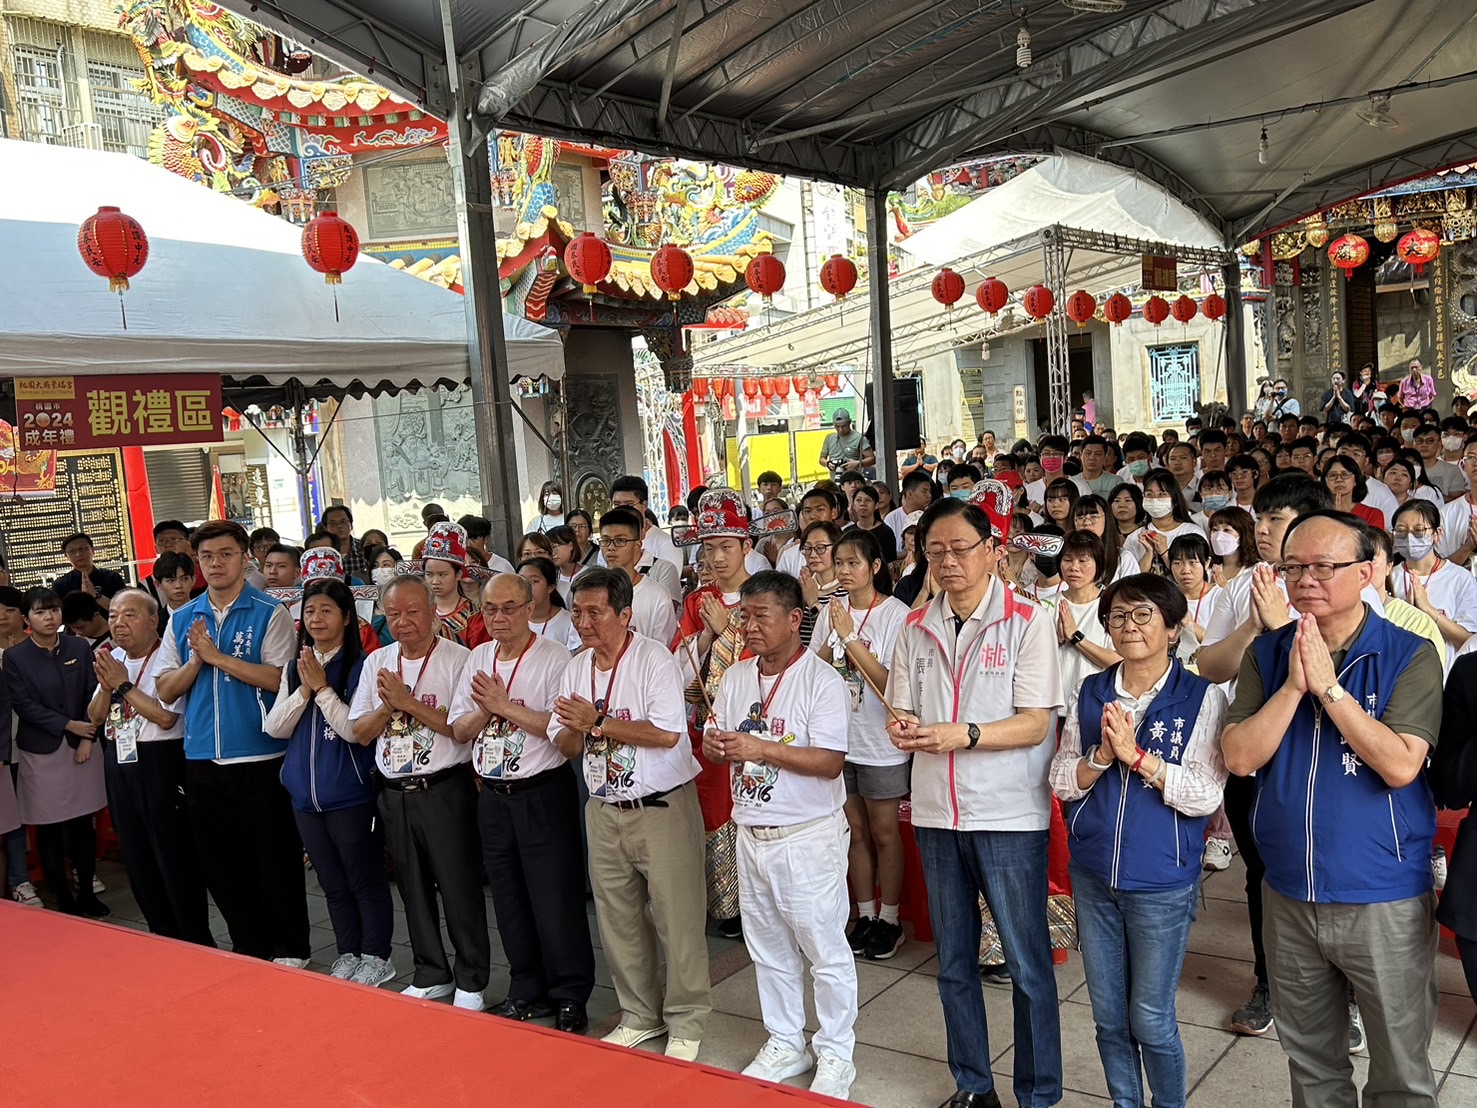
[[100, 413]]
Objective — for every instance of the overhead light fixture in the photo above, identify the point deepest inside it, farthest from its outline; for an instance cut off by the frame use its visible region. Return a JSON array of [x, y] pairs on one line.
[[1095, 6], [1261, 148], [1023, 46], [1378, 112]]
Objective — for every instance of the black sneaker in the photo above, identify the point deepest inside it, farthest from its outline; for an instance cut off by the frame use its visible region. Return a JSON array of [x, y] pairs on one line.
[[995, 973], [1255, 1016], [731, 928], [858, 935], [883, 940], [1356, 1028]]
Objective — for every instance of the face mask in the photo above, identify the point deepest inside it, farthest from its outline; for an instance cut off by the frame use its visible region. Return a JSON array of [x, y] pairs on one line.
[[958, 453], [553, 502], [962, 494], [1408, 434], [1158, 506], [1224, 543], [1215, 503], [1052, 465], [1281, 392], [1138, 468], [1451, 443], [1414, 547], [1045, 566], [383, 575]]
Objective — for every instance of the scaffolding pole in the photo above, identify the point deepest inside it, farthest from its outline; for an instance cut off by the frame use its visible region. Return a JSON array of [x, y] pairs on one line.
[[1058, 376]]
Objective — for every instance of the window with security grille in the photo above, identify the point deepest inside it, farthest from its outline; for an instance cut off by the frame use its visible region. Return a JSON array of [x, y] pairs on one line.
[[41, 95], [124, 115], [1174, 382]]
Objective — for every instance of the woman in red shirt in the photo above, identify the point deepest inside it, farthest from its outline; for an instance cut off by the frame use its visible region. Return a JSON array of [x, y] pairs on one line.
[[1347, 486]]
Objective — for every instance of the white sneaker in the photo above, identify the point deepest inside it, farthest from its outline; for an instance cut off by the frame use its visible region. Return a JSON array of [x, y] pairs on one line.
[[833, 1077], [775, 1062], [373, 971], [25, 893], [295, 963], [1217, 855], [97, 885], [633, 1036], [683, 1049], [472, 1002], [1438, 867], [429, 992], [344, 966]]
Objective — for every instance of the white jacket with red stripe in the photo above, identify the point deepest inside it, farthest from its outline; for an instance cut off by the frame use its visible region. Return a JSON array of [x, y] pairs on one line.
[[1003, 658]]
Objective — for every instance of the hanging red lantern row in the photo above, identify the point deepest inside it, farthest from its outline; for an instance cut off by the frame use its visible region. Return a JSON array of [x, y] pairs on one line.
[[700, 388], [765, 275], [751, 387], [1156, 310], [1213, 307], [1117, 308], [1184, 309], [838, 276], [1418, 248], [1348, 252], [992, 295], [801, 383], [723, 388], [833, 382], [782, 387], [766, 387], [672, 270], [113, 245], [948, 287], [588, 260], [1081, 306], [1038, 301]]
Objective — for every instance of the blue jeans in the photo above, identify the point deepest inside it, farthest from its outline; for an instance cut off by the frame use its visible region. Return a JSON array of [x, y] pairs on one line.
[[1133, 948], [1009, 869]]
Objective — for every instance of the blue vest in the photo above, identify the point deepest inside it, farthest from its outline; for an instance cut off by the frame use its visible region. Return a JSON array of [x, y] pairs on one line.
[[1330, 830], [1122, 830], [223, 716], [323, 770]]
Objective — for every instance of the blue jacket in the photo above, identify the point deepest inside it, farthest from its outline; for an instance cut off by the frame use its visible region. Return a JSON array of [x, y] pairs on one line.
[[1330, 830], [324, 771], [223, 716], [1122, 831]]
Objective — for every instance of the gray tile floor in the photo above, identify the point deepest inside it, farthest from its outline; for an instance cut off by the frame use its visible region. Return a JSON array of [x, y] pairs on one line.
[[900, 1035]]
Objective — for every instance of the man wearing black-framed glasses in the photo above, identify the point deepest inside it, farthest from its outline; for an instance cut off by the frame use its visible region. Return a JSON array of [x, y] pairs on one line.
[[1336, 714]]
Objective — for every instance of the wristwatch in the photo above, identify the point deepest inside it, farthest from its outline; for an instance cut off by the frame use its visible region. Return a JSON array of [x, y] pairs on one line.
[[595, 731], [1077, 637], [124, 689], [1333, 694], [974, 735]]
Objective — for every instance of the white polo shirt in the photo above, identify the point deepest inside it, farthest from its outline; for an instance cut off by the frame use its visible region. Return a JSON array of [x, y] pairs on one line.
[[504, 751], [433, 680]]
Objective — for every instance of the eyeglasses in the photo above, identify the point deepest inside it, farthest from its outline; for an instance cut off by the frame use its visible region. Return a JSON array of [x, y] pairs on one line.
[[611, 542], [1117, 617], [816, 548], [1291, 572], [221, 558], [506, 610], [957, 551], [1338, 475], [1302, 456], [1413, 533]]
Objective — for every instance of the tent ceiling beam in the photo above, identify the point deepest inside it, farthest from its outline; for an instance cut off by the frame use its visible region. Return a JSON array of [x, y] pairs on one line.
[[679, 24], [641, 54]]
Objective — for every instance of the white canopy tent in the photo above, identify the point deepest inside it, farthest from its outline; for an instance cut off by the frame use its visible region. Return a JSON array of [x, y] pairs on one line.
[[1001, 234], [225, 290]]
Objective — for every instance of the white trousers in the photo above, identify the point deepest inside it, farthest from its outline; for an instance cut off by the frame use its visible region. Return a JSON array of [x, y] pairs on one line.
[[794, 899]]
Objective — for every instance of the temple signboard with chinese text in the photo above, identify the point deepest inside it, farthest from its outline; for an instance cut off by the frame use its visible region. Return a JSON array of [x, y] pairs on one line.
[[87, 496], [99, 413], [1160, 273]]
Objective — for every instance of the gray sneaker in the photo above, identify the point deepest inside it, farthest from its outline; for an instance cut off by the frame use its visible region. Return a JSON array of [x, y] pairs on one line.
[[373, 971], [344, 966], [1356, 1028], [1255, 1016]]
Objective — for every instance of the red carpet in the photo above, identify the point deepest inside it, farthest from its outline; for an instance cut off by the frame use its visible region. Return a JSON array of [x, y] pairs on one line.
[[98, 1014]]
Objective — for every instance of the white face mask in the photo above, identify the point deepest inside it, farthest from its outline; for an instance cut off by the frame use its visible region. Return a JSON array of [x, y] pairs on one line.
[[1451, 443], [958, 453], [383, 575], [553, 502], [1158, 506], [1224, 543]]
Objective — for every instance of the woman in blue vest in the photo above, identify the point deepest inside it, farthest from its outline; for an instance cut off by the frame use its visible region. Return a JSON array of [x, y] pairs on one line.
[[1139, 770], [330, 779]]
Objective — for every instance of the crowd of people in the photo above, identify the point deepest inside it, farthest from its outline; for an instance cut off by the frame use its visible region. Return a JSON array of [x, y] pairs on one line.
[[1095, 665]]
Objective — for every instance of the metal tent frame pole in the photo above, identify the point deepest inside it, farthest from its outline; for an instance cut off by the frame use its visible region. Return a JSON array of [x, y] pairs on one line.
[[1235, 340], [884, 434], [1058, 370]]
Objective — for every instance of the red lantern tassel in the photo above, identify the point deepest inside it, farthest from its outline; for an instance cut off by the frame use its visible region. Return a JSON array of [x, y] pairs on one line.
[[122, 309]]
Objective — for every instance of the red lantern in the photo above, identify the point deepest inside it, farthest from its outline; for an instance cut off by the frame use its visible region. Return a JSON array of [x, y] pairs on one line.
[[1348, 252], [672, 270], [765, 275], [782, 387], [948, 287], [723, 388], [751, 387], [1117, 308], [588, 260], [1081, 306], [833, 382], [1213, 307], [1418, 248], [113, 245], [1156, 310], [1184, 309], [1039, 301], [838, 276], [991, 295], [801, 382], [331, 247], [766, 387], [700, 388]]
